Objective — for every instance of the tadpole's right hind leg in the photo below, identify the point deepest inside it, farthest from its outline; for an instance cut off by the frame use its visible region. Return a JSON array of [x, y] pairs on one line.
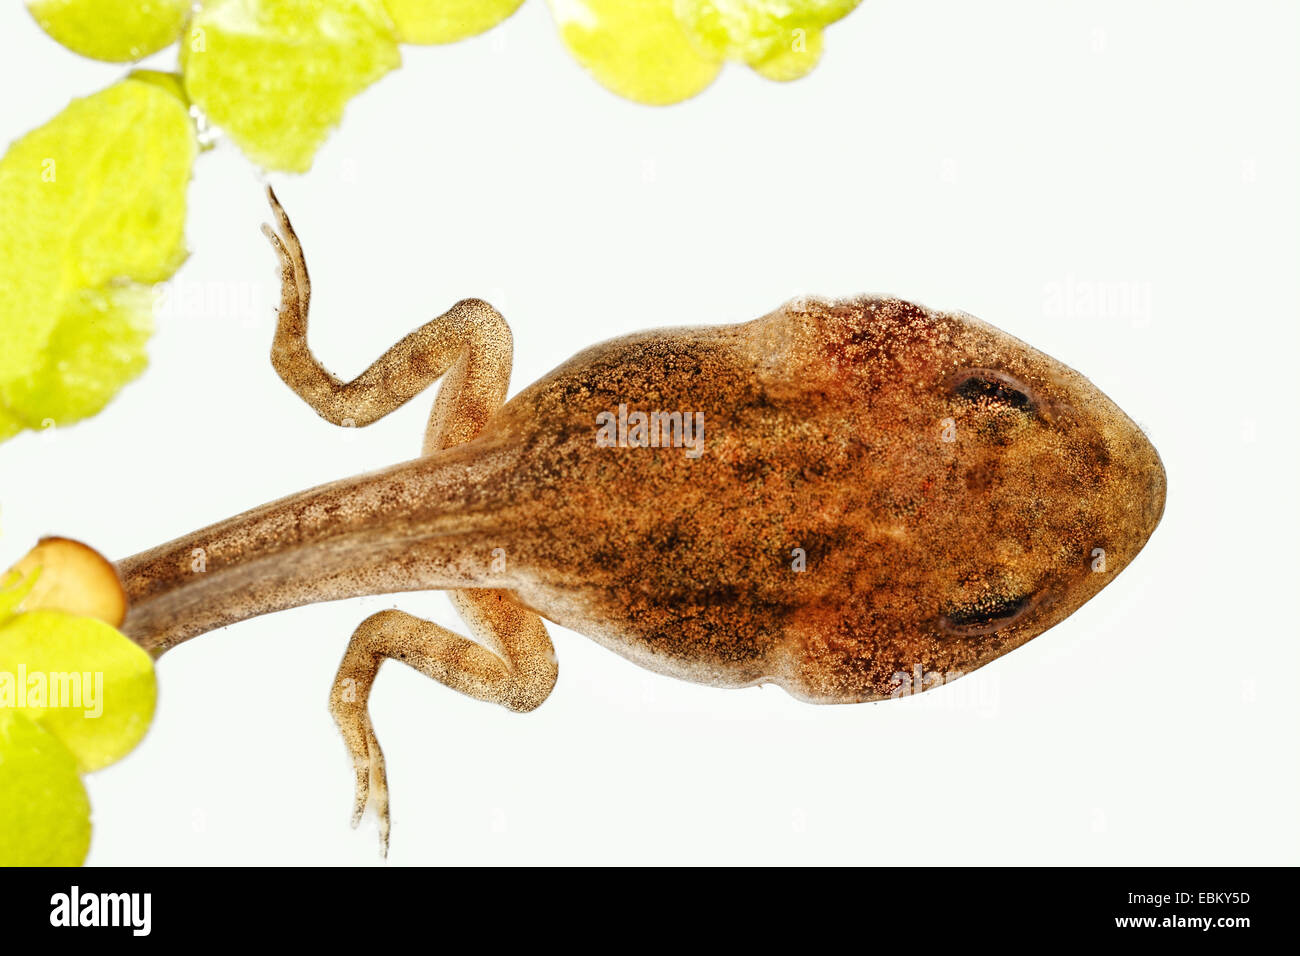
[[518, 673]]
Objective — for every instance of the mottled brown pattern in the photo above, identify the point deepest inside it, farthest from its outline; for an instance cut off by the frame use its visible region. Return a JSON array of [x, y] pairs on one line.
[[948, 485]]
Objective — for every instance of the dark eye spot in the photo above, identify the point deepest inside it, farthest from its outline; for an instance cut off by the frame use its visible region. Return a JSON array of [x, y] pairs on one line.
[[985, 615], [990, 387]]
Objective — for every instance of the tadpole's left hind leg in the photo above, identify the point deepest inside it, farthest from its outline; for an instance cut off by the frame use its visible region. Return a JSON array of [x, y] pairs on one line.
[[469, 346]]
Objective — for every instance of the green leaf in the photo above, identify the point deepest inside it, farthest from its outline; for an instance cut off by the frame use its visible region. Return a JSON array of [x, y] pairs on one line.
[[13, 588], [446, 21], [100, 346], [277, 74], [170, 82], [114, 30], [92, 207], [44, 809], [794, 62], [10, 424], [781, 39], [637, 50], [80, 679]]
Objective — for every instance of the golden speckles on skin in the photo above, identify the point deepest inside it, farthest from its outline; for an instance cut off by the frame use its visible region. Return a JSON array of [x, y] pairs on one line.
[[823, 432], [679, 564]]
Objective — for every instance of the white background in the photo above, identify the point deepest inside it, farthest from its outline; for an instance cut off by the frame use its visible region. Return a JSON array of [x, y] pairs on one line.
[[981, 157]]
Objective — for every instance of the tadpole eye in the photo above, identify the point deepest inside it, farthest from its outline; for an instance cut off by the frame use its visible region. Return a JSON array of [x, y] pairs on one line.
[[991, 387], [985, 615]]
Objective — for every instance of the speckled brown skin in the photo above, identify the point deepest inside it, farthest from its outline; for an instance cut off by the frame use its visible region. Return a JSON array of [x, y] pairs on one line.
[[949, 493], [824, 431]]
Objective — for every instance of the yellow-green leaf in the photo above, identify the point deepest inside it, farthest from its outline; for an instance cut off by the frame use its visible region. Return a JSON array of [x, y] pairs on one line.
[[277, 74], [779, 38], [446, 21], [44, 810], [100, 346], [92, 207], [10, 424], [13, 589], [170, 82], [114, 30], [80, 679], [638, 50], [790, 64]]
